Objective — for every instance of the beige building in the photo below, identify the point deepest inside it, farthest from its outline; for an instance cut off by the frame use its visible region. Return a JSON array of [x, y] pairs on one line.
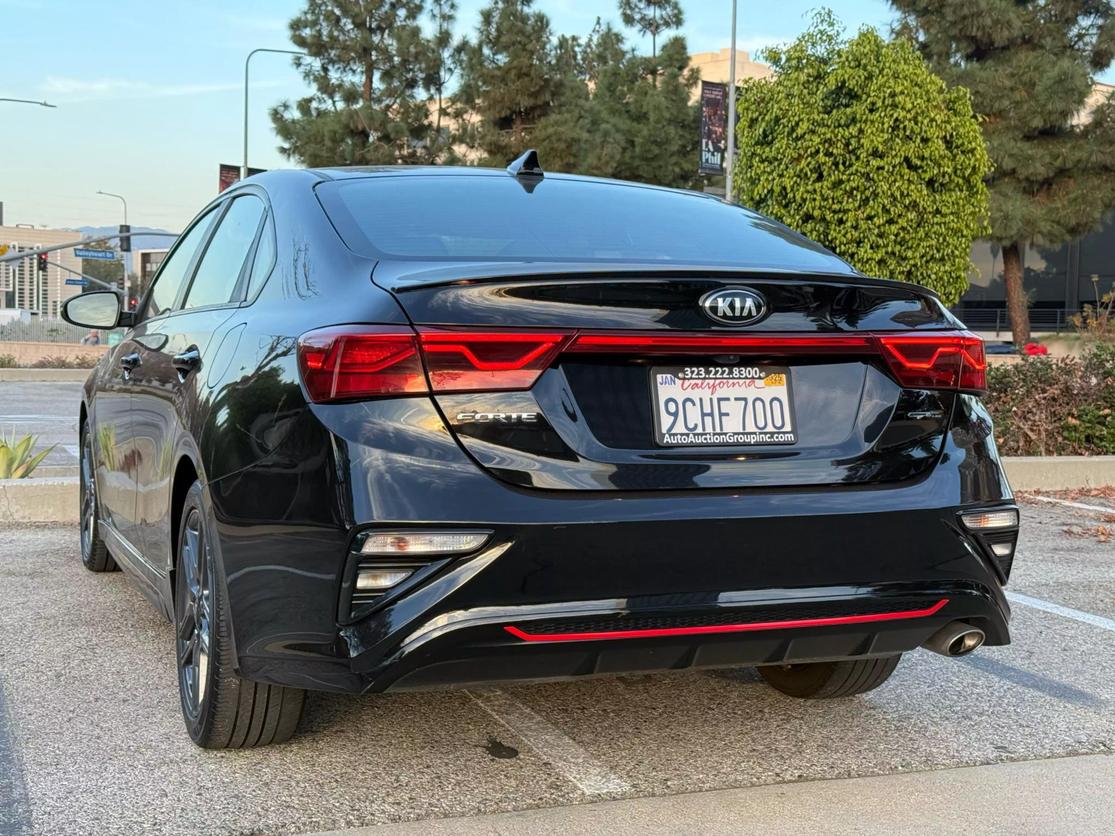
[[713, 66], [22, 286]]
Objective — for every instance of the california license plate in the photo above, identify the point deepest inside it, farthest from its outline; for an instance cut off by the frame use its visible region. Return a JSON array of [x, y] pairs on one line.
[[722, 406]]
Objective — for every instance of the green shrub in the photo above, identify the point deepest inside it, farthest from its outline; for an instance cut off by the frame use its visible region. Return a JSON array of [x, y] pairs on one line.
[[59, 362], [1055, 407], [7, 361], [16, 459]]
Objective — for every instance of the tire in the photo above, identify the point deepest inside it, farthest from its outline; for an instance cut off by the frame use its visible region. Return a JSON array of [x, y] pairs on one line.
[[830, 680], [221, 710], [94, 552]]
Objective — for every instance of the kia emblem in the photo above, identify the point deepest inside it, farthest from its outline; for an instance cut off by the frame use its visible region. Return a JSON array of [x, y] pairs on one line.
[[734, 306]]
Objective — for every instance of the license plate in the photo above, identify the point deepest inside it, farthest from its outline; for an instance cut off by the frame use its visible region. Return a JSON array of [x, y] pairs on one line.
[[722, 406]]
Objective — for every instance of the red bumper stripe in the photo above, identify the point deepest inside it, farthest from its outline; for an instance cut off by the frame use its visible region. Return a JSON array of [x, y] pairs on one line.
[[725, 628]]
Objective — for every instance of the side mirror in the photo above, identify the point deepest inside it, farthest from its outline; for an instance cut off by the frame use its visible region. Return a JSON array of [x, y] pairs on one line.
[[99, 309]]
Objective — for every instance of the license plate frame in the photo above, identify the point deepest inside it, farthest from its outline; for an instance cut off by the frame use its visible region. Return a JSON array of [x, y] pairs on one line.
[[720, 382]]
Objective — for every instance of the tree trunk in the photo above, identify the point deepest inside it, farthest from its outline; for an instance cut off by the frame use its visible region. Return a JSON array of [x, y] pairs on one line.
[[367, 91], [1016, 295]]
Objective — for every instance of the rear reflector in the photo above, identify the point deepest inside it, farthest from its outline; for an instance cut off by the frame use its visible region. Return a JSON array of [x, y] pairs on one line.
[[788, 624]]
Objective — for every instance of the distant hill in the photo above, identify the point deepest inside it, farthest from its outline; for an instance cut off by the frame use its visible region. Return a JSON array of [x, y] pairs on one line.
[[146, 242], [162, 241]]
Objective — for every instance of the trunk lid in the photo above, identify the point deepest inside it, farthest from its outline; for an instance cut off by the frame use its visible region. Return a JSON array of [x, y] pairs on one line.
[[635, 341]]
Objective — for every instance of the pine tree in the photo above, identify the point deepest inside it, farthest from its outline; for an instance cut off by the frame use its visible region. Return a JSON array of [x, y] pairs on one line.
[[374, 72], [1030, 66], [651, 17], [624, 115], [510, 80]]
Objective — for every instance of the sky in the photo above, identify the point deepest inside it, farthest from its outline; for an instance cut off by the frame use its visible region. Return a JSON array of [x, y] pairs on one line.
[[149, 95]]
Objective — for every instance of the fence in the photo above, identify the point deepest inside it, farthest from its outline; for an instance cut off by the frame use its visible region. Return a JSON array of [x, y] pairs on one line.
[[1057, 320], [42, 330]]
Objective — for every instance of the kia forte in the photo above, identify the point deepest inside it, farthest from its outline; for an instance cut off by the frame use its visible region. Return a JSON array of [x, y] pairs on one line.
[[377, 429]]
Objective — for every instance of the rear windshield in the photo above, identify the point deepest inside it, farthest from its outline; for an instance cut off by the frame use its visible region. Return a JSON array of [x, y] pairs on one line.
[[492, 218]]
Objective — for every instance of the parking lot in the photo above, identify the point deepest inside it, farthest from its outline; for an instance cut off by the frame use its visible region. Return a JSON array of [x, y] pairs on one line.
[[91, 738]]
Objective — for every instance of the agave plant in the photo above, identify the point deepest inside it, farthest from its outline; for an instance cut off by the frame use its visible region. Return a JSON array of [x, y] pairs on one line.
[[16, 461]]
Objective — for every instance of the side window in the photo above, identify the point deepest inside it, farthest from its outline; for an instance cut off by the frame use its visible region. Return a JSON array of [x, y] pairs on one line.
[[264, 261], [219, 270], [173, 272]]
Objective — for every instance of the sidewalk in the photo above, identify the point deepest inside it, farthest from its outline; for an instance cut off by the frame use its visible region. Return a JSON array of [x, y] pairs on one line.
[[1064, 795]]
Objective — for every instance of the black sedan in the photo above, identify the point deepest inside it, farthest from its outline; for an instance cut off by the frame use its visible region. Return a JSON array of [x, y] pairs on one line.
[[387, 428]]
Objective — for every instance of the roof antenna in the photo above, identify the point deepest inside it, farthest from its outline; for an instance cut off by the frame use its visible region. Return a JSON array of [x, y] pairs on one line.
[[527, 170]]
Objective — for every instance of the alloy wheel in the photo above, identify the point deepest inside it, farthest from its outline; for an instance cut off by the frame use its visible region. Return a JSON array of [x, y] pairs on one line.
[[88, 500], [195, 618]]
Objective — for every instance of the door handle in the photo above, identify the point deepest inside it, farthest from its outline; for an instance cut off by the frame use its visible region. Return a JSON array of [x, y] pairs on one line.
[[186, 361]]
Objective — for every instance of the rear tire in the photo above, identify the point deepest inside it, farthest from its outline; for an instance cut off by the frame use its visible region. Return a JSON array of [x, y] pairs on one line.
[[94, 552], [221, 710], [830, 680]]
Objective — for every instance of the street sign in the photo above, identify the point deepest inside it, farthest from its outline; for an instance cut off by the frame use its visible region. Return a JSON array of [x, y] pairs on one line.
[[99, 255], [77, 282]]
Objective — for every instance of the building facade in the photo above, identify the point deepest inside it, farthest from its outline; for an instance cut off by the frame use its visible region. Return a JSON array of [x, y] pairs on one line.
[[23, 286]]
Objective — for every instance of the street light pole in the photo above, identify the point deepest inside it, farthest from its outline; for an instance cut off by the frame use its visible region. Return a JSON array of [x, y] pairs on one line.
[[247, 61], [729, 186], [120, 197], [29, 101]]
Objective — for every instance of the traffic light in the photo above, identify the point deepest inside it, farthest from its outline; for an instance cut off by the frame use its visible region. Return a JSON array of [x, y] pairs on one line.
[[125, 240], [41, 261], [133, 303]]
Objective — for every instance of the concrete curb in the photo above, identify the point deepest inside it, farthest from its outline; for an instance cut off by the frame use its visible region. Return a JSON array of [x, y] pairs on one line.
[[45, 375], [53, 499], [1059, 473], [45, 500]]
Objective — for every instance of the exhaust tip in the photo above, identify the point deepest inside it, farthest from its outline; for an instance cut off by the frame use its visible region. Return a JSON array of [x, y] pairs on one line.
[[956, 639], [966, 642]]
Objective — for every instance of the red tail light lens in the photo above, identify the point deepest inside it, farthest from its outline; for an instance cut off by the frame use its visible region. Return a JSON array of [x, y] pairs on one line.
[[936, 361], [487, 361], [351, 362]]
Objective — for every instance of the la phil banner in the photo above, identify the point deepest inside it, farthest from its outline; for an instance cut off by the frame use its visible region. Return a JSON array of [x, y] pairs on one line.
[[714, 123]]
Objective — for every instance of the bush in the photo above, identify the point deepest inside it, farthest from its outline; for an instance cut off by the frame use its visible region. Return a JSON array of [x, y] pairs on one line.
[[1055, 407], [64, 363], [17, 461], [7, 361]]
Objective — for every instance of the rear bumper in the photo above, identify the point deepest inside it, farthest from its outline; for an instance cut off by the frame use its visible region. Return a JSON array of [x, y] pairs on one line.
[[688, 558], [553, 642]]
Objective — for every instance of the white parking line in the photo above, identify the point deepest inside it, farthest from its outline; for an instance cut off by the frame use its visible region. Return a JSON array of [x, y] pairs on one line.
[[1068, 503], [566, 755], [1067, 612]]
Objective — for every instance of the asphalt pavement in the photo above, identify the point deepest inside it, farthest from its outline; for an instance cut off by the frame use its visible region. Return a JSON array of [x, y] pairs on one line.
[[46, 410], [91, 738]]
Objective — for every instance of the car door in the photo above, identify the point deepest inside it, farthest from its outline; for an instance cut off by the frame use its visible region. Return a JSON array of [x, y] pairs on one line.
[[120, 458], [114, 459], [169, 403]]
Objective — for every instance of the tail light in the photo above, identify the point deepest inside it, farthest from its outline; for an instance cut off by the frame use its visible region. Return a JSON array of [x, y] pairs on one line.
[[478, 361], [936, 361], [353, 362]]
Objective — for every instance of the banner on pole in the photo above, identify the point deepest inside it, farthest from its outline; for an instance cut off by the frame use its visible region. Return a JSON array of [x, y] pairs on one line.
[[714, 124]]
